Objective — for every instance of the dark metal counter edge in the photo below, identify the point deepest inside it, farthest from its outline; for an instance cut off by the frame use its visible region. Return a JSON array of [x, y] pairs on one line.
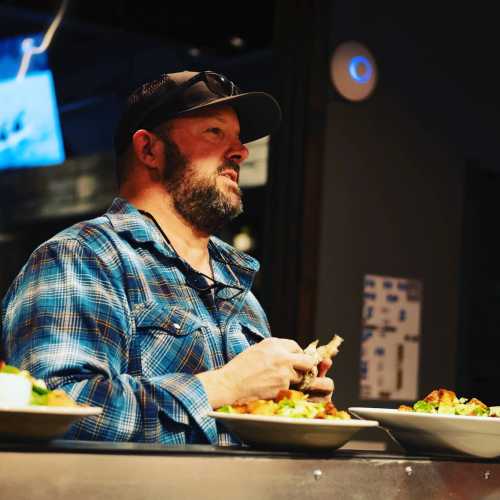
[[63, 446]]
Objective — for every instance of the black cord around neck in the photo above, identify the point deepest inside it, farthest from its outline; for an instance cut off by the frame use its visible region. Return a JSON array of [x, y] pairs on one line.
[[151, 216], [190, 268]]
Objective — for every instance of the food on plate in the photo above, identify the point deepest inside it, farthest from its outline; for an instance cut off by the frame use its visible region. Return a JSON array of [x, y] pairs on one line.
[[295, 403], [37, 392], [288, 403], [446, 402], [319, 354]]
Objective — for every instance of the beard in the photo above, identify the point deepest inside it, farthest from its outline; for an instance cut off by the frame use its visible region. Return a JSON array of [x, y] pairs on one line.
[[204, 205]]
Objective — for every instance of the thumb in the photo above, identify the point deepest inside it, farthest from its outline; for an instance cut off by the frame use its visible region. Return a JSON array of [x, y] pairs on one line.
[[324, 366]]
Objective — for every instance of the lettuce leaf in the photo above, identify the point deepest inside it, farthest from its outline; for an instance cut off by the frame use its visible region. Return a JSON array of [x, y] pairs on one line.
[[424, 407]]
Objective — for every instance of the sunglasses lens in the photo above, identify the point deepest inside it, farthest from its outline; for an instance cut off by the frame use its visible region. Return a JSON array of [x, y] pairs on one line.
[[220, 85]]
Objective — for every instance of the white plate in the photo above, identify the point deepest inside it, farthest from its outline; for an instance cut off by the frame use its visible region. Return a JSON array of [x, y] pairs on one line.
[[40, 422], [291, 433], [426, 432]]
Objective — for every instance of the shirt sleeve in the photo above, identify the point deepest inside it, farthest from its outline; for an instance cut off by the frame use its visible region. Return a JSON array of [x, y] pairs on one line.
[[66, 319]]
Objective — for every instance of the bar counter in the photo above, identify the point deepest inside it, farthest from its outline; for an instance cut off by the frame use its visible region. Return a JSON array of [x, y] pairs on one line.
[[82, 470]]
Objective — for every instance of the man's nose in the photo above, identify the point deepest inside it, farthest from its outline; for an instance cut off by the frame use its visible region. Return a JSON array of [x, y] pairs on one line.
[[237, 152]]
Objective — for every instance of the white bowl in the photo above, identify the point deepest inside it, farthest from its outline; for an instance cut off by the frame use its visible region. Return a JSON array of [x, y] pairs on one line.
[[285, 433], [15, 390], [439, 433]]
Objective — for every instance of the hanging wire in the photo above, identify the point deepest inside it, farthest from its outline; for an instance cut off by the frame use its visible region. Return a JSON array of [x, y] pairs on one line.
[[27, 43]]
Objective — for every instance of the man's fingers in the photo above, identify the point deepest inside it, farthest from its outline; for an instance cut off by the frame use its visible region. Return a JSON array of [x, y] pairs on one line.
[[321, 385], [321, 398], [296, 377], [324, 366], [290, 345], [302, 362]]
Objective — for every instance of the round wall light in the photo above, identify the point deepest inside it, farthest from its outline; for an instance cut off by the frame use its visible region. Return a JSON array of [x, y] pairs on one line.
[[353, 71]]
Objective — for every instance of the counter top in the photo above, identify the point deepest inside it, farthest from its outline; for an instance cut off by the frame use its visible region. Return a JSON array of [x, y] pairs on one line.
[[82, 470]]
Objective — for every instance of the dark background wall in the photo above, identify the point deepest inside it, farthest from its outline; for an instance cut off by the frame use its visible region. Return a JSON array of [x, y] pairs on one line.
[[394, 181], [392, 205]]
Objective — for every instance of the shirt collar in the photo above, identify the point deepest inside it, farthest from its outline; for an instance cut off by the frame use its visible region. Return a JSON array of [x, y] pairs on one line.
[[128, 222], [131, 224]]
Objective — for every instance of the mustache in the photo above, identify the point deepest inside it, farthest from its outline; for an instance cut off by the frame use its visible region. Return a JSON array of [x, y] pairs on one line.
[[229, 164]]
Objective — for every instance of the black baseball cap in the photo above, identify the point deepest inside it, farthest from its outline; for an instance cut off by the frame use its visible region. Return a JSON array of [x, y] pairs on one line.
[[176, 94]]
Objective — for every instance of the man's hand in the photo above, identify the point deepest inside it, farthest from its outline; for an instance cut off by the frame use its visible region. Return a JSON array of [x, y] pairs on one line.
[[260, 372], [322, 387]]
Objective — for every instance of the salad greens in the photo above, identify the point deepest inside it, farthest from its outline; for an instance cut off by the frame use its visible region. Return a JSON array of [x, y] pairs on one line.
[[291, 404], [446, 402]]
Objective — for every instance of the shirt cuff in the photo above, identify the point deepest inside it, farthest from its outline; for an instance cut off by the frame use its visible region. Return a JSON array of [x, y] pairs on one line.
[[186, 402]]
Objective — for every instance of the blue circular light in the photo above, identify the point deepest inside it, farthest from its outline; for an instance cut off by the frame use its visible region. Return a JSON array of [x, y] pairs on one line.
[[360, 69]]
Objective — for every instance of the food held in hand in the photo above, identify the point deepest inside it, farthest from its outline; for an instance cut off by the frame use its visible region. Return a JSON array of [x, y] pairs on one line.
[[319, 354], [18, 388], [288, 403], [446, 402]]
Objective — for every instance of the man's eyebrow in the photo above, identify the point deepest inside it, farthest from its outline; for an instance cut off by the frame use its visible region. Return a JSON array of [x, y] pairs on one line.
[[217, 117], [220, 118]]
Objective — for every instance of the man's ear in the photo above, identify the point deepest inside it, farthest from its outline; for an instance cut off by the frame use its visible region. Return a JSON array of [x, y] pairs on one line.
[[147, 148]]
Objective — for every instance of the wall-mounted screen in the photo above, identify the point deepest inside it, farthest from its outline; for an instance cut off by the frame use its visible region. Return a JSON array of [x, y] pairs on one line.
[[30, 132]]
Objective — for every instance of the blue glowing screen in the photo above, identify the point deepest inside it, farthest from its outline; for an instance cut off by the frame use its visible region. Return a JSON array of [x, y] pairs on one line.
[[30, 132]]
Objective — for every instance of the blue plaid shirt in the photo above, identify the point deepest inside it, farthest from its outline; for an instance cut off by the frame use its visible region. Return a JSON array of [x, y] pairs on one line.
[[107, 311]]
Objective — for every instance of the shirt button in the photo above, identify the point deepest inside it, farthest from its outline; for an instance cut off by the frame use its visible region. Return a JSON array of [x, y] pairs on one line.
[[176, 326]]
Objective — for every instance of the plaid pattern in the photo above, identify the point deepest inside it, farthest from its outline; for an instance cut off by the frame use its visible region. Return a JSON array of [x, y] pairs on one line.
[[105, 311]]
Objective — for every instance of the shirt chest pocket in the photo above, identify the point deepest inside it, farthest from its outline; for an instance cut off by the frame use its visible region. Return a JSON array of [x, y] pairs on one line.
[[244, 334], [168, 339], [251, 332]]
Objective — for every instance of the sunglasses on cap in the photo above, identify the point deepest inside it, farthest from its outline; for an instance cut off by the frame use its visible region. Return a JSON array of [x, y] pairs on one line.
[[217, 84]]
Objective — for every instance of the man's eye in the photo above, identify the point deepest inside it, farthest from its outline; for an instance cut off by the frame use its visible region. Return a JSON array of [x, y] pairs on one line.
[[215, 130]]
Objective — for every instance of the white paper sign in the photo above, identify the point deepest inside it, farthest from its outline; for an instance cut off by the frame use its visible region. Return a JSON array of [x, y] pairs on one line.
[[253, 171], [390, 338]]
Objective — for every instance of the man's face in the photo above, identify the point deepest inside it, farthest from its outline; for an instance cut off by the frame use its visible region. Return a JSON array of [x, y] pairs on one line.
[[202, 157]]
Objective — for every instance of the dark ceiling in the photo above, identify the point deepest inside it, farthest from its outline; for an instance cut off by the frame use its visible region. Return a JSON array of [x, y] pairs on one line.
[[209, 25], [118, 44], [102, 50]]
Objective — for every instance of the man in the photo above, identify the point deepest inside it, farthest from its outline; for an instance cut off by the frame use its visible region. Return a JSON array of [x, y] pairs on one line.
[[142, 311]]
